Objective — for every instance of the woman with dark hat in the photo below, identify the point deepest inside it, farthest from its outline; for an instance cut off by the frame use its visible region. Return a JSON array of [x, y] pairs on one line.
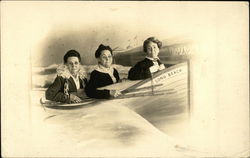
[[150, 64], [104, 74], [70, 82]]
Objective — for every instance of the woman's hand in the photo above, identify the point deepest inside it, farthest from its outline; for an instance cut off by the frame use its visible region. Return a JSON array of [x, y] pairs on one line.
[[74, 99], [161, 67], [154, 68], [114, 93], [81, 94]]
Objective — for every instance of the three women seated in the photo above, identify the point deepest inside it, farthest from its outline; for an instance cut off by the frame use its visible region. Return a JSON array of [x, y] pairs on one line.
[[70, 85]]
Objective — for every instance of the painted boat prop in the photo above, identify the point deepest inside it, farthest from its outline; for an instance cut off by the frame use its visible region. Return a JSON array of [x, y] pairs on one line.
[[172, 80]]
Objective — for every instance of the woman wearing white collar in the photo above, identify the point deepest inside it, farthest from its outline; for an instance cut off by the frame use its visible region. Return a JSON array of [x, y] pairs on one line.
[[70, 82], [150, 64], [103, 75]]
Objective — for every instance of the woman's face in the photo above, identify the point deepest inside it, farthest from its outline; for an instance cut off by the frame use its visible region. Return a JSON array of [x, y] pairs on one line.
[[105, 58], [73, 65], [152, 50]]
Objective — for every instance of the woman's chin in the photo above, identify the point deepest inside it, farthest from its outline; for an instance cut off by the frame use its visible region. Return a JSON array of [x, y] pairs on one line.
[[107, 65], [155, 55]]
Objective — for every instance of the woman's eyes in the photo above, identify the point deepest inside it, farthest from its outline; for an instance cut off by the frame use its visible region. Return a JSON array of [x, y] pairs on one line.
[[106, 57], [76, 63], [149, 48]]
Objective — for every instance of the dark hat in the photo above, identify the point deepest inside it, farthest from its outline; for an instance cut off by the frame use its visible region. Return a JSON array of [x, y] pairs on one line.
[[100, 49], [71, 53]]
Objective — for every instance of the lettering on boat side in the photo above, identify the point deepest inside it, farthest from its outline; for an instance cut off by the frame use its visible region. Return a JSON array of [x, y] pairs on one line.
[[166, 75]]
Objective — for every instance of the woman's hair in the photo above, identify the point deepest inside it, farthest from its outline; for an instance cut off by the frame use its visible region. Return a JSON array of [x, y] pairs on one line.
[[71, 53], [151, 39], [100, 49]]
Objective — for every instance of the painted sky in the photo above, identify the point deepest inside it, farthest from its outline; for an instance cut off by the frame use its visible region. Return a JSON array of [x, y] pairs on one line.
[[56, 28]]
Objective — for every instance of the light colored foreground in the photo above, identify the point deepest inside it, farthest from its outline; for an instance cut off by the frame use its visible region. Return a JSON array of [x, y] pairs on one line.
[[135, 126], [108, 129]]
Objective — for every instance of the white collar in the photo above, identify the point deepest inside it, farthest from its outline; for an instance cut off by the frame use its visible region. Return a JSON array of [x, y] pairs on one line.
[[103, 69], [150, 58], [76, 80]]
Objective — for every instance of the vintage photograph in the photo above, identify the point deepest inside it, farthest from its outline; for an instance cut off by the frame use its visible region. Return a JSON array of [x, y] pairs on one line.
[[123, 79]]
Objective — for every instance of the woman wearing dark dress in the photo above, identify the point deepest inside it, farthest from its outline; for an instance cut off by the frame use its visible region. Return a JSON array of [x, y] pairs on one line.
[[150, 64], [104, 74], [70, 82]]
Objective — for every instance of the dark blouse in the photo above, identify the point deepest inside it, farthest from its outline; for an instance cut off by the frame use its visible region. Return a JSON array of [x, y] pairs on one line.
[[97, 80], [55, 92], [141, 70]]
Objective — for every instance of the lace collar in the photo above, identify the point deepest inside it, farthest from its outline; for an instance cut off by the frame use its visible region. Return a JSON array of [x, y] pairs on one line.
[[62, 70]]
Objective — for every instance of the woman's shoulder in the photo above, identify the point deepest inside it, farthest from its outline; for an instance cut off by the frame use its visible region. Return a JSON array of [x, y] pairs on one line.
[[62, 71], [115, 70], [144, 63], [96, 73], [59, 78], [115, 73]]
